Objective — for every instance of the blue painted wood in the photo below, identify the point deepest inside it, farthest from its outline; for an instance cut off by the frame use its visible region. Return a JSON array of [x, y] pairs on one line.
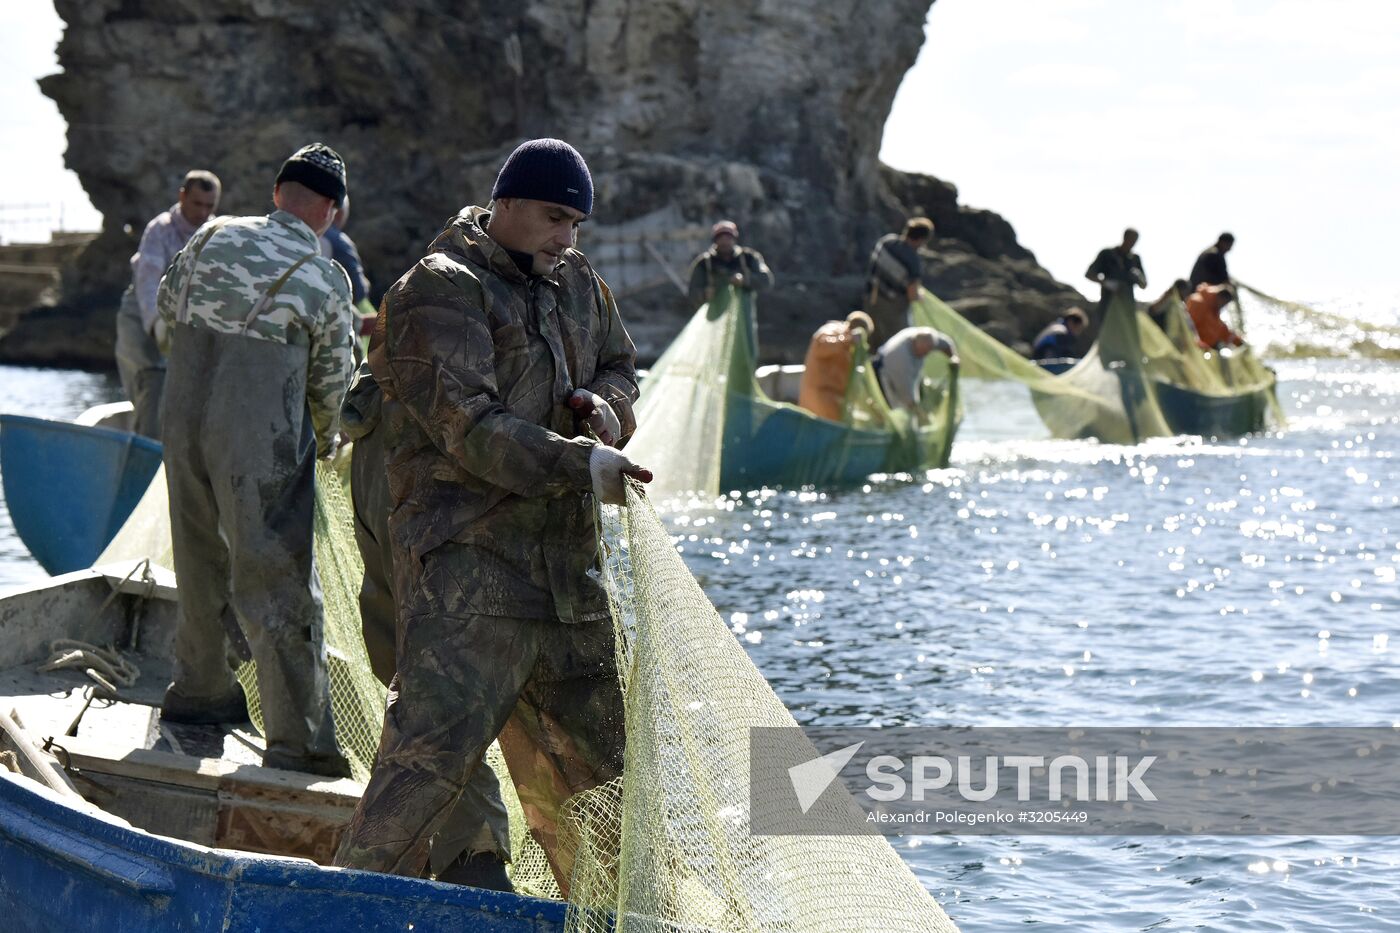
[[770, 444], [70, 487], [62, 868]]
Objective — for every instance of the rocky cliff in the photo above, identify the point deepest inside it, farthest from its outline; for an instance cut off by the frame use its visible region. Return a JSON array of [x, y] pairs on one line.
[[769, 112]]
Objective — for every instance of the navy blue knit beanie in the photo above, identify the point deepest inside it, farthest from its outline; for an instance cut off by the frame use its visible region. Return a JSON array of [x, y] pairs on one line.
[[546, 170]]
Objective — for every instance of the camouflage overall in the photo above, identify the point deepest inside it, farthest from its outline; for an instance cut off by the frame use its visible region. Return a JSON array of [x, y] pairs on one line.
[[503, 631], [259, 357], [479, 822]]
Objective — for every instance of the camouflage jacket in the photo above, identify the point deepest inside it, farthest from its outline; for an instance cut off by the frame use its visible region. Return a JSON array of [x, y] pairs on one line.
[[710, 268], [232, 278], [476, 361]]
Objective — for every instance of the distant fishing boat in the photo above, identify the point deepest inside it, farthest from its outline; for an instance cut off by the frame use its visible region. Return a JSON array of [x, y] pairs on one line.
[[770, 441], [69, 486], [1136, 381], [710, 421], [117, 823]]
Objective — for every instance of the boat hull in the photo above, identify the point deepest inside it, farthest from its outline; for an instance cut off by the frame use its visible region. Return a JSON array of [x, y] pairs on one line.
[[69, 487], [62, 868], [772, 444], [1189, 412]]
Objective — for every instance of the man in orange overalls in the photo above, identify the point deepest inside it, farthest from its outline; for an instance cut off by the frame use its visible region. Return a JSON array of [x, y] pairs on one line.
[[1204, 306], [827, 369]]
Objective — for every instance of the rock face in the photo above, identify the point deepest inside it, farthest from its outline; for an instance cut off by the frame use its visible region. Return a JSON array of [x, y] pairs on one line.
[[768, 112]]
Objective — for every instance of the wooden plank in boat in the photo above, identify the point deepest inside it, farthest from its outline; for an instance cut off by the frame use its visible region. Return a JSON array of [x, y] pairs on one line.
[[214, 802], [33, 761], [209, 773]]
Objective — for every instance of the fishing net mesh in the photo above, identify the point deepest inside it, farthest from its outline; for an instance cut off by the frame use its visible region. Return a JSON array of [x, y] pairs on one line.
[[667, 846], [680, 414], [1289, 328]]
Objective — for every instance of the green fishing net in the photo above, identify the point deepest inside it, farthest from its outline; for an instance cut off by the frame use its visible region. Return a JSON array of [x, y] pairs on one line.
[[1284, 328], [1136, 381]]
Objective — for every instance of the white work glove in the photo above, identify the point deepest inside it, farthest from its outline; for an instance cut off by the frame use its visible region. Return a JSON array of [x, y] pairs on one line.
[[1110, 285], [594, 409], [607, 467]]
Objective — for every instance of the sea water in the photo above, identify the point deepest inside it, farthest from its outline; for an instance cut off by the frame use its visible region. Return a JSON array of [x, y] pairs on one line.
[[1248, 582]]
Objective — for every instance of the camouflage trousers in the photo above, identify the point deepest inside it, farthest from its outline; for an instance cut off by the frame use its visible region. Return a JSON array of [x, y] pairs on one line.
[[548, 690], [240, 461], [478, 822], [140, 367]]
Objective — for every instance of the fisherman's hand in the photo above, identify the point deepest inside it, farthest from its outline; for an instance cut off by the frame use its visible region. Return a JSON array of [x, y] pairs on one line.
[[1110, 285], [737, 280], [607, 467], [338, 440], [911, 291], [598, 414]]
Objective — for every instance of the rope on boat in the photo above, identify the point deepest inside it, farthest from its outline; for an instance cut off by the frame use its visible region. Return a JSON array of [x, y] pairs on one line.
[[107, 667]]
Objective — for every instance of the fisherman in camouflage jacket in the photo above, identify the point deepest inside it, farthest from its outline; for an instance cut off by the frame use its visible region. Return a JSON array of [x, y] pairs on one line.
[[507, 377]]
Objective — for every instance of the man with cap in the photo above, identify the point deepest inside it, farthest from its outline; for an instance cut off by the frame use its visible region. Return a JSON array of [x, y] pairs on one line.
[[1060, 338], [139, 363], [727, 263], [257, 327], [507, 377], [894, 276], [826, 371]]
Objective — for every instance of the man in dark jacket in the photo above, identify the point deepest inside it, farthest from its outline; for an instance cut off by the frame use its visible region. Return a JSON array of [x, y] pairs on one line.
[[893, 278], [1060, 339], [1210, 268], [488, 352], [727, 263], [474, 843], [1117, 270]]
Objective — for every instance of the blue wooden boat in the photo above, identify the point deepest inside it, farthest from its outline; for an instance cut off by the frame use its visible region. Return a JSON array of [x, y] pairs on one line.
[[710, 421], [123, 825], [770, 441], [70, 486]]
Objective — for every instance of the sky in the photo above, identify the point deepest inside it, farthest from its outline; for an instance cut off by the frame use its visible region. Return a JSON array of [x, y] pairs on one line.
[[1278, 120], [36, 191]]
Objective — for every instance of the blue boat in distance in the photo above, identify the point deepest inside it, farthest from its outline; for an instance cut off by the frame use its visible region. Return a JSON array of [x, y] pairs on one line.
[[70, 486]]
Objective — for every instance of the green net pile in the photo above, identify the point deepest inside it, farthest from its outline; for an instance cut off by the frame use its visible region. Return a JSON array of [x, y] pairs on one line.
[[1124, 388], [706, 425]]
